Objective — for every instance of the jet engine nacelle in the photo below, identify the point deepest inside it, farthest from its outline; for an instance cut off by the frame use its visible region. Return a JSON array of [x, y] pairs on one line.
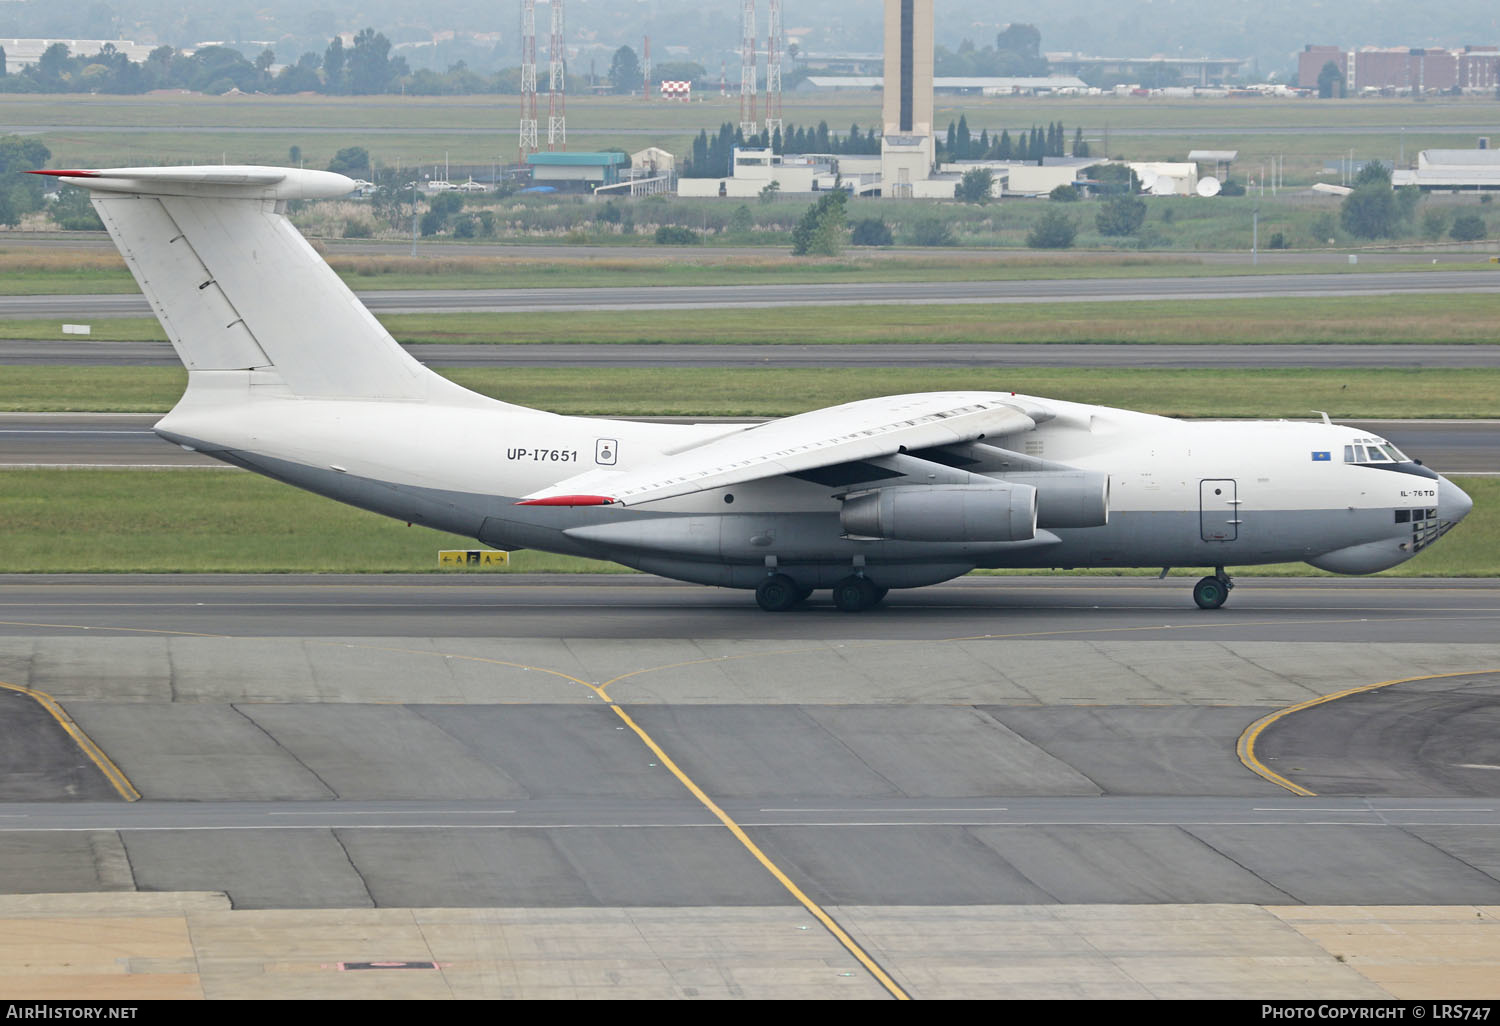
[[1000, 512], [1067, 498]]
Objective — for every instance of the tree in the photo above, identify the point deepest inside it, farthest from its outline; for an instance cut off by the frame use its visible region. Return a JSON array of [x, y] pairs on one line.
[[20, 194], [975, 186], [1434, 225], [369, 67], [1330, 81], [1370, 211], [74, 212], [1054, 230], [625, 71], [52, 65], [1019, 51], [333, 65], [1373, 172], [1121, 215], [823, 229], [353, 161], [1064, 194], [1468, 228]]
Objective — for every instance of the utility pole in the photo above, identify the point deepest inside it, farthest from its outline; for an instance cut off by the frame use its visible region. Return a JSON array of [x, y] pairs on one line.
[[1255, 234]]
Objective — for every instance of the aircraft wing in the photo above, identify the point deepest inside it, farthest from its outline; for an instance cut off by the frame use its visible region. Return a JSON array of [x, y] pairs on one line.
[[860, 430]]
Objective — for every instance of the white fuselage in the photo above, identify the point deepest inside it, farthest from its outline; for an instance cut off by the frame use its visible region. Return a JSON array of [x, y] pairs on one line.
[[1180, 493]]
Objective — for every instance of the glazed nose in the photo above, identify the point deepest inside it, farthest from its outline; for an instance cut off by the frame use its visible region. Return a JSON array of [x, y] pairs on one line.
[[1453, 502]]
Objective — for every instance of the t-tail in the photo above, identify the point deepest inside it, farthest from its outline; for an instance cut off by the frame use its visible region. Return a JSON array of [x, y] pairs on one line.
[[246, 301]]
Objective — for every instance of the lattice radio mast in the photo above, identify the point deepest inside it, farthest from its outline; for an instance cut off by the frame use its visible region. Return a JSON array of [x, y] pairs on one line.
[[748, 124], [528, 143], [646, 70], [773, 72], [557, 118]]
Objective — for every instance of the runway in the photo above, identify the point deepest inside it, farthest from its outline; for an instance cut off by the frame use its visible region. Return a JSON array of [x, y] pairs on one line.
[[948, 781], [1481, 279], [126, 440]]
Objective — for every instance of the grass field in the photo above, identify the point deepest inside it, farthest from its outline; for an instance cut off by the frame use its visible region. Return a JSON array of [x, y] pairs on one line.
[[1403, 319], [41, 270], [84, 130], [1379, 393], [235, 522]]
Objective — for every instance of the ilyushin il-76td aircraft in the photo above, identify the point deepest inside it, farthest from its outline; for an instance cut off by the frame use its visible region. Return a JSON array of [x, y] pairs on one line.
[[291, 377]]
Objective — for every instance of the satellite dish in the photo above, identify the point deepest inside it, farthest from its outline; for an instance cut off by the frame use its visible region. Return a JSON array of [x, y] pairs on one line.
[[1165, 185], [1148, 180], [1209, 186]]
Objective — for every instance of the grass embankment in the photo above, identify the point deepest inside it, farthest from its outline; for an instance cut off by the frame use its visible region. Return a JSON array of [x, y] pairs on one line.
[[673, 391], [231, 522]]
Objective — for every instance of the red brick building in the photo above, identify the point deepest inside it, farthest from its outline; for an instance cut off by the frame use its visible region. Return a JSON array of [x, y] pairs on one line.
[[1403, 69]]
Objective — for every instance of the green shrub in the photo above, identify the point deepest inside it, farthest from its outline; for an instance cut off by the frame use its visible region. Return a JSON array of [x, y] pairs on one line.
[[676, 235], [1121, 215], [1055, 230], [872, 231], [1468, 228], [932, 231]]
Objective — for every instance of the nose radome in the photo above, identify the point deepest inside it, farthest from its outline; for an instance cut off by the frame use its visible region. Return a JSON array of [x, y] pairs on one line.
[[1453, 502]]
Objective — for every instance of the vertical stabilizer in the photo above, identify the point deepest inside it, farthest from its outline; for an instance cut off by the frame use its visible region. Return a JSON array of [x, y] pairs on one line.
[[238, 288]]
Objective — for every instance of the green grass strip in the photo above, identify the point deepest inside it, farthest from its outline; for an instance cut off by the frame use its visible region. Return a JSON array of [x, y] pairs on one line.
[[713, 392], [185, 521], [1400, 319]]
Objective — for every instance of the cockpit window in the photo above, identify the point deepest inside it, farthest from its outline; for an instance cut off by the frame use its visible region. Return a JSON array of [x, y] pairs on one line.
[[1373, 450]]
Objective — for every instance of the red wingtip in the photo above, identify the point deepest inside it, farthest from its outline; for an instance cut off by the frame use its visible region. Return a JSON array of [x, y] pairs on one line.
[[67, 173], [568, 500]]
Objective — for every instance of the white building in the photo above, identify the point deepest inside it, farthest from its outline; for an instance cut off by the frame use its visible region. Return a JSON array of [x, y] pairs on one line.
[[1453, 169]]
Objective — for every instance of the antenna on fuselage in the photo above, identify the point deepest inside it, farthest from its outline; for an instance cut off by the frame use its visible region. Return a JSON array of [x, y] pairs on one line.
[[1324, 415]]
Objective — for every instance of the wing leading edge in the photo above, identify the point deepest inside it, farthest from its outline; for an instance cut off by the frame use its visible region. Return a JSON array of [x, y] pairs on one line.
[[860, 430]]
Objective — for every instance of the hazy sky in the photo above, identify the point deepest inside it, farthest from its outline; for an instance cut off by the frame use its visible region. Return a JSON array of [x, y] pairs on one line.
[[1270, 31]]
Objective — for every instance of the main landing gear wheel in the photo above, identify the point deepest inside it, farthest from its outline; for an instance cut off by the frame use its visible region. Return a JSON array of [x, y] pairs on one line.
[[854, 594], [1211, 592], [778, 593]]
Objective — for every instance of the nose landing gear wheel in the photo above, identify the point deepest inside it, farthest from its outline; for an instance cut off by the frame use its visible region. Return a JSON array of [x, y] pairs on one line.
[[854, 594], [1211, 592], [778, 593]]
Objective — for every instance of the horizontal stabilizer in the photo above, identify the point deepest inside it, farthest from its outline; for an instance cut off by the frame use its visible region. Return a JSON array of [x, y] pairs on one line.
[[225, 181]]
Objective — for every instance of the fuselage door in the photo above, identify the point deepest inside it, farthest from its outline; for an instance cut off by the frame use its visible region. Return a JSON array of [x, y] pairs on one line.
[[1219, 509]]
